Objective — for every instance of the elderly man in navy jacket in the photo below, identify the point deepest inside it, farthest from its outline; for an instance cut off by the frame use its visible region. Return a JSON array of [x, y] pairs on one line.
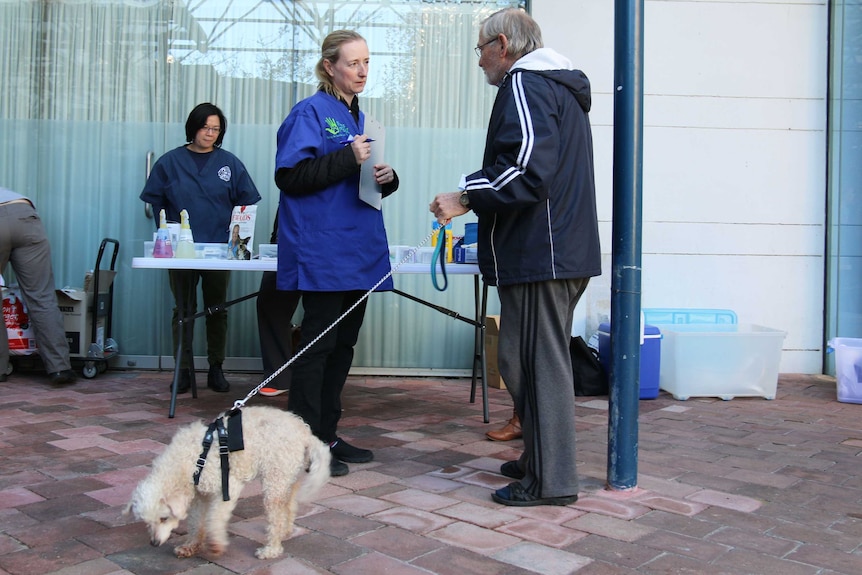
[[538, 241]]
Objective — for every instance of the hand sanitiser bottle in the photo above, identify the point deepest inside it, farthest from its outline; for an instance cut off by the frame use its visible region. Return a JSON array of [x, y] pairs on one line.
[[186, 243], [163, 248]]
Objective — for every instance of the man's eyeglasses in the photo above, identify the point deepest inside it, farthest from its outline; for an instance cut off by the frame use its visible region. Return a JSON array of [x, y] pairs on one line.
[[478, 48], [209, 130]]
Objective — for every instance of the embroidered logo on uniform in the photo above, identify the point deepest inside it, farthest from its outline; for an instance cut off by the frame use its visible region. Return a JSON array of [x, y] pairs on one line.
[[336, 129], [224, 173]]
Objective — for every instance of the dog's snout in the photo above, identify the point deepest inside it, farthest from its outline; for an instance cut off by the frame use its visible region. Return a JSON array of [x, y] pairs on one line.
[[155, 542]]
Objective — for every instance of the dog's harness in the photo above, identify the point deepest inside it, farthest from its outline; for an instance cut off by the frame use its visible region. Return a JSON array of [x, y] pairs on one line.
[[230, 436], [229, 439]]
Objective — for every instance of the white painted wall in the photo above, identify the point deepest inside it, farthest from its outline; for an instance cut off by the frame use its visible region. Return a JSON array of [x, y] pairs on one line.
[[734, 178]]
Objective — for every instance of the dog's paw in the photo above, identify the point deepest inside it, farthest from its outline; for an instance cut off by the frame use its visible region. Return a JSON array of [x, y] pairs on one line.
[[217, 548], [269, 552], [185, 551]]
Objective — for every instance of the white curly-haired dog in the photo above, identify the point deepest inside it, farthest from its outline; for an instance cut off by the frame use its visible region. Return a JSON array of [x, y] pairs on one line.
[[279, 448]]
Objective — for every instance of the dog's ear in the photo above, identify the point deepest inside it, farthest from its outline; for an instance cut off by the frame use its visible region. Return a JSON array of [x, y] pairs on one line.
[[245, 240], [177, 505]]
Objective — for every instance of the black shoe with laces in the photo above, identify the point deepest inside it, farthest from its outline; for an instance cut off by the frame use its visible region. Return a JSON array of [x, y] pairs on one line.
[[62, 377], [343, 451], [338, 468], [216, 380]]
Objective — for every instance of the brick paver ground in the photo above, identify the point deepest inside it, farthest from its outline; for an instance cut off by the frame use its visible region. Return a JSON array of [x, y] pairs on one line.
[[740, 486]]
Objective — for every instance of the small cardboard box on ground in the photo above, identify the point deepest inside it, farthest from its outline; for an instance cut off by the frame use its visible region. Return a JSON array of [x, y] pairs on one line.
[[77, 307], [492, 337]]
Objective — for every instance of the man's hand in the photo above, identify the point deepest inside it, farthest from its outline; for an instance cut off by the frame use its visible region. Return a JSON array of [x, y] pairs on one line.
[[447, 206]]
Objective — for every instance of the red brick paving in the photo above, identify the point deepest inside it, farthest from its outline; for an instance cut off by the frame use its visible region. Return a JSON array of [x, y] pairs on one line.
[[724, 487]]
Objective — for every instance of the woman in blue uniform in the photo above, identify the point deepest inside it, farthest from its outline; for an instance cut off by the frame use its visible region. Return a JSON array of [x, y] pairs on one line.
[[332, 246], [208, 182]]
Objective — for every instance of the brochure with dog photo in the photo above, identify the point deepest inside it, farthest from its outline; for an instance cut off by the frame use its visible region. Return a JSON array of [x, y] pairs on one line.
[[240, 243]]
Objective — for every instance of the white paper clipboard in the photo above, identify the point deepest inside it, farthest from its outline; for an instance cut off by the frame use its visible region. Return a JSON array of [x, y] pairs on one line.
[[370, 191]]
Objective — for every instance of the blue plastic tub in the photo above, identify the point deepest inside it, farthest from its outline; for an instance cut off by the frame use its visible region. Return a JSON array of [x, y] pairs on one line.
[[650, 359], [670, 315]]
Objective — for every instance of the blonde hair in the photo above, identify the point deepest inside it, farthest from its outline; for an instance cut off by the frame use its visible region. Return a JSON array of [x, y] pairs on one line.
[[519, 28], [331, 50]]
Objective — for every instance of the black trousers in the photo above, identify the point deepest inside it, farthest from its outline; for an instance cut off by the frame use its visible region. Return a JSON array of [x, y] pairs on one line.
[[320, 373], [275, 309]]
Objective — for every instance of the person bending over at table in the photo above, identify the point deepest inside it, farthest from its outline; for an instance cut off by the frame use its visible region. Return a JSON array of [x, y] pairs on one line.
[[208, 182], [332, 246], [24, 244]]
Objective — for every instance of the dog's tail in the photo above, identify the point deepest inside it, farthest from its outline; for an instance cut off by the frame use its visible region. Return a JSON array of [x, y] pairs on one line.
[[317, 469]]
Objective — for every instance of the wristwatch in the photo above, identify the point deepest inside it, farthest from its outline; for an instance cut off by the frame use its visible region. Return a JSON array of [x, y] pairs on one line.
[[464, 199]]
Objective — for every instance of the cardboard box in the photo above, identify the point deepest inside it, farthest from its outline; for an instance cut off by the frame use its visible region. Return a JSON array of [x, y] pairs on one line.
[[106, 278], [77, 320], [78, 307], [492, 337]]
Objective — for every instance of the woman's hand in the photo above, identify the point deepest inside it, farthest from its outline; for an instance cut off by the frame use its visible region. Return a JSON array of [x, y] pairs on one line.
[[361, 148], [384, 174]]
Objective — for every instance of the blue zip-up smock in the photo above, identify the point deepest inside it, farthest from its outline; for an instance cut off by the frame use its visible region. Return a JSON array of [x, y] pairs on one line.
[[328, 240]]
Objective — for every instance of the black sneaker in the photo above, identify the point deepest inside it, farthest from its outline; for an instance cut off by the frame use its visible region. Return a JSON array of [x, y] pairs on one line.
[[216, 380], [337, 468], [62, 377], [343, 451], [515, 495]]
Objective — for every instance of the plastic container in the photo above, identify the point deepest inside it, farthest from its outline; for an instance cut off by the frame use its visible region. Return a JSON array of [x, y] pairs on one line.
[[720, 360], [471, 233], [848, 368], [659, 316], [650, 358], [267, 251]]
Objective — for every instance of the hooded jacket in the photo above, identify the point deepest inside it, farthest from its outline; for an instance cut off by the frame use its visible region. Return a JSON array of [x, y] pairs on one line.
[[535, 198]]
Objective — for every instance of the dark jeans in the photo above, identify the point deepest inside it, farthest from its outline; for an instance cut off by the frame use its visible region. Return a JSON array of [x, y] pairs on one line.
[[319, 374]]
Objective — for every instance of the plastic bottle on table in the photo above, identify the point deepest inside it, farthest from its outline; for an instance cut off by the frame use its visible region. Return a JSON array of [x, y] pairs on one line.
[[163, 248], [186, 242]]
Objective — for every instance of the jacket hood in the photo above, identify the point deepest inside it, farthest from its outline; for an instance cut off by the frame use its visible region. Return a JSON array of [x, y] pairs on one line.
[[554, 66]]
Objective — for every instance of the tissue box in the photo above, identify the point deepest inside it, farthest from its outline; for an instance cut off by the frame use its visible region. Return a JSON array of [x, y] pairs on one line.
[[466, 255]]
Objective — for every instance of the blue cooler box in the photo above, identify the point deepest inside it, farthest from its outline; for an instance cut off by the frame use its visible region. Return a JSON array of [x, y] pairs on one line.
[[650, 358]]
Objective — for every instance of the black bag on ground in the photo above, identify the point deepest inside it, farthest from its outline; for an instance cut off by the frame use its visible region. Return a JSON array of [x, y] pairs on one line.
[[589, 375]]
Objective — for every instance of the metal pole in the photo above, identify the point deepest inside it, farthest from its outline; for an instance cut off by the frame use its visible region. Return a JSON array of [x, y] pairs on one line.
[[626, 258]]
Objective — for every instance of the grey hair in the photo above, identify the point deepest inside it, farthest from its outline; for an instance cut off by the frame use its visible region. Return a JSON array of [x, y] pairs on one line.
[[331, 50], [519, 28]]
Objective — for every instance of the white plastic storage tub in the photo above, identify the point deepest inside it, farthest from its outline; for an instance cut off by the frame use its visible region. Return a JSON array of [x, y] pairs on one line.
[[720, 360], [848, 368]]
